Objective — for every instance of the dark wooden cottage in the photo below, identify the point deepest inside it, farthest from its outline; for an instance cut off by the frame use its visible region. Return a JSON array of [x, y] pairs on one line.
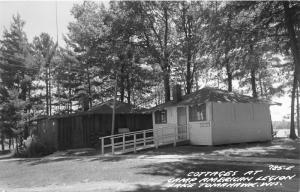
[[83, 129]]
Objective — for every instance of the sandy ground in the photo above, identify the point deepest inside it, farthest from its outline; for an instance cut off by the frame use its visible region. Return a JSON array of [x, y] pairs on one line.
[[76, 174], [87, 171]]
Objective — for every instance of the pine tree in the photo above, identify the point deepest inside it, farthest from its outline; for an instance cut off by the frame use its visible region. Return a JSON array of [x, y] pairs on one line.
[[17, 71]]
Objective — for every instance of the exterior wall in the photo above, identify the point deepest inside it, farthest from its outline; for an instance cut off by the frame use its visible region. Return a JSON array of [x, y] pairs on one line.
[[47, 132], [200, 132], [84, 130], [240, 122], [171, 117], [165, 128]]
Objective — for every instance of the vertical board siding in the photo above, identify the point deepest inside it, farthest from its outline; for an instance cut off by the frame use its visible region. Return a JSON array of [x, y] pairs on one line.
[[47, 132], [84, 130]]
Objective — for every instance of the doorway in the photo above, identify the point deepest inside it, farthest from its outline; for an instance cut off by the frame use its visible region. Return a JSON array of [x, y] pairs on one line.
[[181, 123]]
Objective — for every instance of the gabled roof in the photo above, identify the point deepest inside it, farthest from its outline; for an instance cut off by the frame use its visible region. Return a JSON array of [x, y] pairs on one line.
[[208, 94], [121, 107]]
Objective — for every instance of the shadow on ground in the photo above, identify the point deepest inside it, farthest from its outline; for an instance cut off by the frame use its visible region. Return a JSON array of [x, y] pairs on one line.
[[45, 160], [278, 148], [181, 169], [4, 152], [150, 188], [86, 155]]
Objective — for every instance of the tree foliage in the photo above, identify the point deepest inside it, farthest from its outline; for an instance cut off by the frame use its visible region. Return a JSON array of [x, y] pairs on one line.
[[145, 48]]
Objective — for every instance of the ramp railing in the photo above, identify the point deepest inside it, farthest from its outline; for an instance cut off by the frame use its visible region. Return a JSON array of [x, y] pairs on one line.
[[138, 140]]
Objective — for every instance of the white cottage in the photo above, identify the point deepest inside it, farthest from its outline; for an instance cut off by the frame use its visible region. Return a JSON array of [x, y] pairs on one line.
[[212, 117]]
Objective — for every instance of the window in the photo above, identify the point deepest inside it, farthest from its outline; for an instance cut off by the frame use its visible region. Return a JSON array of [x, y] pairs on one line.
[[197, 112], [160, 117]]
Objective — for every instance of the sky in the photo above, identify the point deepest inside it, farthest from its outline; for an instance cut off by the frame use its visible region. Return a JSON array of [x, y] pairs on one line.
[[40, 16]]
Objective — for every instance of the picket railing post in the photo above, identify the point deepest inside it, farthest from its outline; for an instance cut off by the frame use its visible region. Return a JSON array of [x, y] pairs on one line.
[[156, 139], [134, 143], [102, 146], [112, 145], [123, 142], [144, 135]]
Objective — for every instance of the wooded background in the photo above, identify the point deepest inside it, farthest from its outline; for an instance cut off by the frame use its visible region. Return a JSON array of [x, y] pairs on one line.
[[148, 47]]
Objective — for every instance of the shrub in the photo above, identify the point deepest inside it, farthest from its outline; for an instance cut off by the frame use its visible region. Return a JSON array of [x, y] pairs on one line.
[[33, 147]]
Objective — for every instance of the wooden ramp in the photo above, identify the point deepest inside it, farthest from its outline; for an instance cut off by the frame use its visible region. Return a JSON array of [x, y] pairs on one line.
[[139, 140]]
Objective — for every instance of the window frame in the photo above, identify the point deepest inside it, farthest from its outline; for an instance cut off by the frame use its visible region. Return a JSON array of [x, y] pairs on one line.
[[193, 118], [160, 120]]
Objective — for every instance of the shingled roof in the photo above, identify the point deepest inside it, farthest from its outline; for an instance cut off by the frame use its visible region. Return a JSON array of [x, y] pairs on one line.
[[209, 94]]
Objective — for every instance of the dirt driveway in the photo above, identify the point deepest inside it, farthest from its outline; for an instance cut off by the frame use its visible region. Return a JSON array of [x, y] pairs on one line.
[[165, 169]]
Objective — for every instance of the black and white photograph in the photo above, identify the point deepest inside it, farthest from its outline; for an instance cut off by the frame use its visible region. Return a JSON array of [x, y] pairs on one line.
[[149, 96]]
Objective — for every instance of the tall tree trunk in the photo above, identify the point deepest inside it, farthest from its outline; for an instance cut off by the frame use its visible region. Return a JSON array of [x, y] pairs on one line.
[[23, 91], [292, 38], [128, 89], [122, 90], [229, 77], [70, 101], [189, 77], [114, 106], [122, 81], [133, 97], [253, 66], [89, 88], [49, 87], [47, 92], [295, 51], [298, 116], [17, 148], [228, 43], [261, 86], [196, 80], [9, 143], [128, 96], [59, 96], [166, 56], [186, 25], [69, 94], [292, 126], [167, 87], [166, 79], [71, 106], [253, 83]]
